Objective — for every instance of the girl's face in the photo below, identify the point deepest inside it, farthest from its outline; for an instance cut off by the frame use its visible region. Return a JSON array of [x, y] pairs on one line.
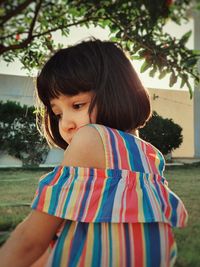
[[72, 113]]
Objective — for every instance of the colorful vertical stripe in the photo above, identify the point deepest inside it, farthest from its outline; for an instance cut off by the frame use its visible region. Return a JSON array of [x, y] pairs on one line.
[[106, 244], [118, 216], [110, 198]]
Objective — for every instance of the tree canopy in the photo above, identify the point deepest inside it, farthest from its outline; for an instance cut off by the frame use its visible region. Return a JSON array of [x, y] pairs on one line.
[[27, 27]]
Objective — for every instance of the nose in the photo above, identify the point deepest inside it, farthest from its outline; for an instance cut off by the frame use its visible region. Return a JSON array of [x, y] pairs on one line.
[[67, 124]]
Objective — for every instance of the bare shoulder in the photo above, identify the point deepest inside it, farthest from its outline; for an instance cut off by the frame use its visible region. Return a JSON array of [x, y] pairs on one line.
[[85, 150]]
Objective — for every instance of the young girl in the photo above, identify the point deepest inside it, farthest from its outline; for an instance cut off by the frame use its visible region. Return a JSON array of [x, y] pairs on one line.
[[108, 203]]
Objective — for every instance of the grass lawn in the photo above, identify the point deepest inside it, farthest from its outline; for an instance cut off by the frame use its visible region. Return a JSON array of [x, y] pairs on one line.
[[17, 188], [186, 183]]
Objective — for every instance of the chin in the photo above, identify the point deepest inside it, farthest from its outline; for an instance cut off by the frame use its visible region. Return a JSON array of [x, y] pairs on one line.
[[68, 141]]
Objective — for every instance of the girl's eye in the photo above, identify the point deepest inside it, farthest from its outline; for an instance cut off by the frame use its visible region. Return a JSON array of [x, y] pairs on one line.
[[78, 106]]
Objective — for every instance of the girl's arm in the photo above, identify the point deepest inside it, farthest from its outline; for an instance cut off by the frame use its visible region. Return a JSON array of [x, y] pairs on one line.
[[29, 240], [41, 262]]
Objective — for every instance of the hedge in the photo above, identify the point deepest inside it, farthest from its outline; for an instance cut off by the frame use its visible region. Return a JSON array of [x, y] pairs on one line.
[[19, 135], [163, 133]]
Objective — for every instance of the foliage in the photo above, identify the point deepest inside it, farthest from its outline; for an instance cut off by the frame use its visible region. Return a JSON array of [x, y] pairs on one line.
[[19, 135], [28, 25], [197, 4], [162, 133]]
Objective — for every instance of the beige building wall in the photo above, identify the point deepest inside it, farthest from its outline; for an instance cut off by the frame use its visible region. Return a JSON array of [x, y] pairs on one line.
[[177, 105]]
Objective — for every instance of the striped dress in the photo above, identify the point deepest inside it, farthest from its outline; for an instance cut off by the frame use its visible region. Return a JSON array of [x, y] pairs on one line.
[[118, 216]]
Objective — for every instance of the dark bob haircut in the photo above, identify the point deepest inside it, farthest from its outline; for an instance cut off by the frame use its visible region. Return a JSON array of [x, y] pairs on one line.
[[99, 66]]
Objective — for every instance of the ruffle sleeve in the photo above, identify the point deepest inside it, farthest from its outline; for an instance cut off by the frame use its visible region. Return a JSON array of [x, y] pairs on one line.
[[108, 195]]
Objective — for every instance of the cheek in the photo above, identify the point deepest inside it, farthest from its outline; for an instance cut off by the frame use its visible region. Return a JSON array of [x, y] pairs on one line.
[[60, 130], [93, 115]]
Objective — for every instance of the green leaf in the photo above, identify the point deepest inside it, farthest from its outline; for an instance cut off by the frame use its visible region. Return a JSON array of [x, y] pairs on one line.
[[184, 80], [136, 57], [146, 65], [118, 34], [136, 48], [2, 11], [114, 39], [173, 79], [190, 62], [184, 39], [153, 72], [190, 89], [162, 74]]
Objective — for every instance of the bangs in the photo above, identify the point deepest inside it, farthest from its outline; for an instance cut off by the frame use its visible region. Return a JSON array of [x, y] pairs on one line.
[[63, 75], [55, 86]]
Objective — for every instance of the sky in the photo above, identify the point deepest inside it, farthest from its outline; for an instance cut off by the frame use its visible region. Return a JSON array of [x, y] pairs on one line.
[[78, 34]]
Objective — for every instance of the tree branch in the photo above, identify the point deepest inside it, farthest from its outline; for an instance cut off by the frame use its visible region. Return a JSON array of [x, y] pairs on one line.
[[29, 32], [37, 9], [15, 11], [7, 36], [30, 37]]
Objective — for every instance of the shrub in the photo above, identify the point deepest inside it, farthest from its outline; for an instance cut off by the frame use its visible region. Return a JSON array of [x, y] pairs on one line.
[[19, 135], [162, 133]]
